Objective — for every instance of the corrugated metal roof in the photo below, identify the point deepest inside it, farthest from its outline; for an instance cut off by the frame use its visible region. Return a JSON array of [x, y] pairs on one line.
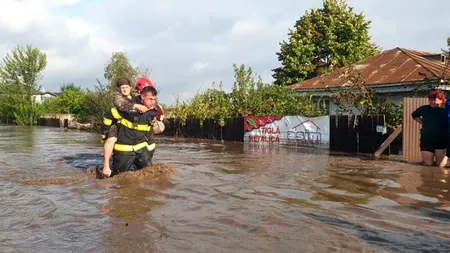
[[392, 66]]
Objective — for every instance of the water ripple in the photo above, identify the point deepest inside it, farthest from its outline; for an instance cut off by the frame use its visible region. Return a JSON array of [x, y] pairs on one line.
[[222, 197]]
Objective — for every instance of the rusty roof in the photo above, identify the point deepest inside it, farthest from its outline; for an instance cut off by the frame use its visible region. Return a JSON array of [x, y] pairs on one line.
[[392, 66]]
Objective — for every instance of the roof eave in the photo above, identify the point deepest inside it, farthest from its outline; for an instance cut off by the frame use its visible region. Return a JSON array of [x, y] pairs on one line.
[[378, 88]]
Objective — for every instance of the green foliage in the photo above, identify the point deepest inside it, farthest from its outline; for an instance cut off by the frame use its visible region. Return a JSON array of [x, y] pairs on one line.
[[279, 100], [243, 87], [20, 74], [8, 100], [71, 101], [357, 98], [210, 104], [222, 109], [248, 96], [447, 64], [143, 71], [323, 40], [23, 66], [180, 110], [355, 95], [27, 114], [119, 65], [52, 105], [421, 89], [393, 113], [98, 102]]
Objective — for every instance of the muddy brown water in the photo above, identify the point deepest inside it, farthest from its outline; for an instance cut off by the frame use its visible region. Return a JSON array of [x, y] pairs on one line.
[[220, 198]]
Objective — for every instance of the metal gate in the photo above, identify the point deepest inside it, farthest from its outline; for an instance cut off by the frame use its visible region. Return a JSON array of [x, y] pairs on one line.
[[411, 129]]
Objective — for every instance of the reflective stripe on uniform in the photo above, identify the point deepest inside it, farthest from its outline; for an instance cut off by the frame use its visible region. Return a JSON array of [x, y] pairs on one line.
[[134, 126], [107, 121], [126, 123], [115, 113], [131, 148]]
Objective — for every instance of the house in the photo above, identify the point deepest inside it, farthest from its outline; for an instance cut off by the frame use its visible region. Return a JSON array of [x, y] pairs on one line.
[[41, 96], [395, 73]]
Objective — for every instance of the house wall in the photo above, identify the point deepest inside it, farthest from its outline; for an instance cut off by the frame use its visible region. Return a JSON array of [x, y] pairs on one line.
[[334, 109], [60, 116], [37, 99], [397, 98], [41, 98]]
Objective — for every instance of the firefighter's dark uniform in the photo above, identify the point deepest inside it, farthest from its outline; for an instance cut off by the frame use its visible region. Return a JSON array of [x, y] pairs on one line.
[[135, 145]]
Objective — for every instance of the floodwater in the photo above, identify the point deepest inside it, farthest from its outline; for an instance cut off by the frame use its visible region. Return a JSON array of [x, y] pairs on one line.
[[220, 198]]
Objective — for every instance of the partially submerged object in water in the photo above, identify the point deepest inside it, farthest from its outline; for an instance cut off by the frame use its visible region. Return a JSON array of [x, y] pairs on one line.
[[155, 171], [55, 181]]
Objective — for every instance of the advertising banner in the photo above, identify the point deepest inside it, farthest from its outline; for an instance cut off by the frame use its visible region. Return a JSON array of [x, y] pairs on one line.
[[288, 130]]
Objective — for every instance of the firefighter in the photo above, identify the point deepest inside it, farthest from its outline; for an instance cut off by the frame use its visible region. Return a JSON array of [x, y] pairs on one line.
[[135, 145], [123, 102], [143, 82]]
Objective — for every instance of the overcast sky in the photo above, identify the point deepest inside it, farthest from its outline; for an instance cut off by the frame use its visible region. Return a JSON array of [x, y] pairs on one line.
[[189, 44]]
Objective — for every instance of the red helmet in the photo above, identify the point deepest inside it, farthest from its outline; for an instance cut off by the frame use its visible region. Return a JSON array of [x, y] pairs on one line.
[[143, 82]]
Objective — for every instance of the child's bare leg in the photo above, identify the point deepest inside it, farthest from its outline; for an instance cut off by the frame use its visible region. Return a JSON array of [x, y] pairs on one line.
[[108, 149]]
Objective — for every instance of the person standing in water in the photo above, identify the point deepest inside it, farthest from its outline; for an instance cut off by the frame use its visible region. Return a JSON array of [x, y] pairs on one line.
[[135, 146], [127, 101], [434, 131], [123, 101]]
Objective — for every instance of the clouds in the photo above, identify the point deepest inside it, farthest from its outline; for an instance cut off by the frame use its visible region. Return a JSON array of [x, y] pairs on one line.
[[190, 44], [407, 23], [199, 66]]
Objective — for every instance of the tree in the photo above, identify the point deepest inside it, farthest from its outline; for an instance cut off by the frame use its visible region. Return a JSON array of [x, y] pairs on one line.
[[100, 99], [52, 105], [429, 84], [243, 85], [249, 96], [356, 98], [144, 71], [20, 74], [119, 65], [447, 64], [98, 102], [72, 98], [323, 40]]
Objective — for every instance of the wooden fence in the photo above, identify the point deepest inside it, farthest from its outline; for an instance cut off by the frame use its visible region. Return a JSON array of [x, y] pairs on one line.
[[210, 129], [350, 134], [53, 122], [358, 134]]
